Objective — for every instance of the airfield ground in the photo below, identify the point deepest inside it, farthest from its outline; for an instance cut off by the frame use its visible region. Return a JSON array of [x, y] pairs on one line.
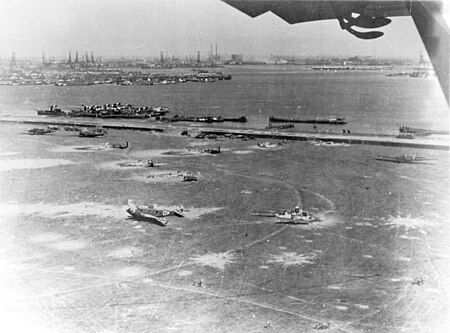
[[73, 261]]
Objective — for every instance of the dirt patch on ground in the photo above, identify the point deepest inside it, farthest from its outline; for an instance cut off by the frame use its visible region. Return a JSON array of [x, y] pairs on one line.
[[158, 153], [131, 271], [46, 237], [58, 242], [77, 209], [184, 273], [121, 165], [166, 176], [216, 260], [292, 259], [88, 208], [83, 148], [38, 163], [199, 143], [68, 245], [127, 252], [192, 212], [242, 152]]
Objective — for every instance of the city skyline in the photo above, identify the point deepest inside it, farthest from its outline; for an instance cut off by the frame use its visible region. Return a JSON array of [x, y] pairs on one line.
[[139, 28]]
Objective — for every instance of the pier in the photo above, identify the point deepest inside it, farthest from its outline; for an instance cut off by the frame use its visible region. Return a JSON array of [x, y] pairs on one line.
[[359, 139]]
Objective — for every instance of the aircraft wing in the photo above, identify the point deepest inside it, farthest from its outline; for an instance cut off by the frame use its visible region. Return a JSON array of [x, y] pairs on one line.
[[367, 14], [297, 11]]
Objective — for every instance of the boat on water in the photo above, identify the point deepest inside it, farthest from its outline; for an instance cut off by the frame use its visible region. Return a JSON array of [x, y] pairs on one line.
[[241, 119], [204, 119], [54, 111], [330, 121], [420, 131], [124, 116], [405, 158]]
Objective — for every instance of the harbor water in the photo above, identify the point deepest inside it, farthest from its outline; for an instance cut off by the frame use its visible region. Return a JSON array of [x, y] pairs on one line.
[[370, 101]]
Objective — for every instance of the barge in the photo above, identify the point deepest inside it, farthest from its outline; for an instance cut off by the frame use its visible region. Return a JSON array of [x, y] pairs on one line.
[[331, 121]]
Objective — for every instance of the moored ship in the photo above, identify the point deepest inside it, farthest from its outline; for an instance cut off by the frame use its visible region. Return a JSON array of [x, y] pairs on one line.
[[54, 111], [330, 121]]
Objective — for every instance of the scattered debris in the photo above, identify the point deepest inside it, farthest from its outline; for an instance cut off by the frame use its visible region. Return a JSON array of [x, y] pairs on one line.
[[405, 158], [322, 326], [91, 133], [186, 176], [215, 150], [140, 163], [409, 136], [40, 131], [198, 283], [319, 143], [418, 281], [72, 129], [270, 144], [105, 146], [190, 178], [117, 145], [268, 325]]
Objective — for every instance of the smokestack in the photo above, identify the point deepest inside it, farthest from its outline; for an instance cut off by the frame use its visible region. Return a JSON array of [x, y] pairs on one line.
[[198, 57], [162, 57], [216, 51], [13, 60], [70, 58], [76, 57]]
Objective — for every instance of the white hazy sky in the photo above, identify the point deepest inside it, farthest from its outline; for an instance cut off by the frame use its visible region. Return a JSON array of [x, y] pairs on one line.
[[180, 27]]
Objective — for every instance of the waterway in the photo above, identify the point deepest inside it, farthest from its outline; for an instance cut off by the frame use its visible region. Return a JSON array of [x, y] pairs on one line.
[[370, 101]]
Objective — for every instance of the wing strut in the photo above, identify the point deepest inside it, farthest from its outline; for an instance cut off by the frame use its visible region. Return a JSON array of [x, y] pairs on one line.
[[435, 35]]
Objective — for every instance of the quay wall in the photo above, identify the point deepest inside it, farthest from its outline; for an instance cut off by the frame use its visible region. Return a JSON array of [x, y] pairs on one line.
[[360, 139]]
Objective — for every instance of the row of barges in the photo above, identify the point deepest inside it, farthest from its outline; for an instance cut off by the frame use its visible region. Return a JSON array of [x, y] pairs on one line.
[[128, 111], [116, 110]]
